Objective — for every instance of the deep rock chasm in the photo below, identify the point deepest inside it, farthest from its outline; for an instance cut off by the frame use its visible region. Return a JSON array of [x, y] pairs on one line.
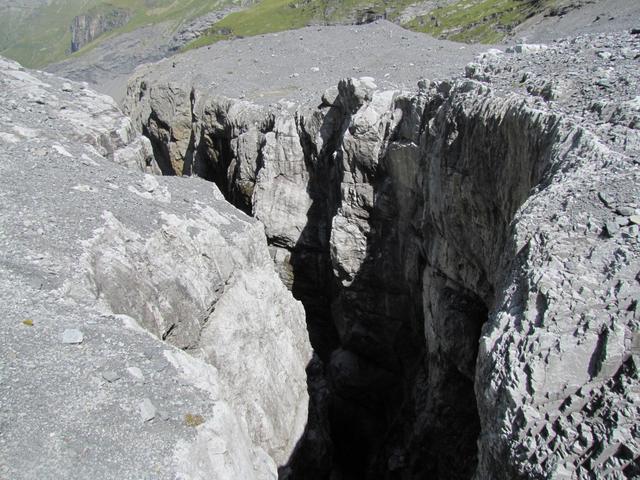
[[424, 233]]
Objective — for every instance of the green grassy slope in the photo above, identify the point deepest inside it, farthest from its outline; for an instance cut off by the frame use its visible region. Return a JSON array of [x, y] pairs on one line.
[[277, 15], [41, 36], [485, 21]]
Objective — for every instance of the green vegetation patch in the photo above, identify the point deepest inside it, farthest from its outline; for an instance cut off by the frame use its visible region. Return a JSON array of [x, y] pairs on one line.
[[269, 16], [193, 420], [264, 17], [476, 21], [471, 21]]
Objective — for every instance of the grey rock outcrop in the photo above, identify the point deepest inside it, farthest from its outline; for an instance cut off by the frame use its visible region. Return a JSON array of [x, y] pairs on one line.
[[99, 263], [474, 315], [87, 27]]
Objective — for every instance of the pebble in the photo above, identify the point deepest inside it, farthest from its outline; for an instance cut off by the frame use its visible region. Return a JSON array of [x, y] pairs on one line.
[[635, 219], [72, 336], [612, 228], [110, 376], [606, 199], [136, 373], [66, 87], [622, 221], [147, 410], [626, 211]]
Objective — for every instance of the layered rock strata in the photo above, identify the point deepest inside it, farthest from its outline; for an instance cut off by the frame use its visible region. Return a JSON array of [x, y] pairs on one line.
[[467, 255], [145, 329]]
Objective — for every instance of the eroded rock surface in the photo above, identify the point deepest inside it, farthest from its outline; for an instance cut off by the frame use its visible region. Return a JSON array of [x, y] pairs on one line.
[[99, 263], [467, 255]]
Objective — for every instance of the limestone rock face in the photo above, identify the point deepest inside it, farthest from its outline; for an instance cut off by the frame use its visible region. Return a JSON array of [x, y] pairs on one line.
[[467, 255], [146, 329], [87, 27]]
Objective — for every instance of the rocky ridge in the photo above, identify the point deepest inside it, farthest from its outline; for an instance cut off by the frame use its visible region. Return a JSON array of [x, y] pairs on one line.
[[145, 330], [467, 255]]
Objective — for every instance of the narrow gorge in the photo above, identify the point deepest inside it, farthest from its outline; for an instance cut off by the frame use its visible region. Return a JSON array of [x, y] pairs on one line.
[[466, 253]]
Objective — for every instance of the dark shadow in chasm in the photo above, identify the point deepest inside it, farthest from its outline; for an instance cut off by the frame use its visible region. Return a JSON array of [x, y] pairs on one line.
[[391, 400]]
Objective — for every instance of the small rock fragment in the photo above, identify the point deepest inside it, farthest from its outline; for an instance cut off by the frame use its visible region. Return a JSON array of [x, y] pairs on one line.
[[527, 48], [604, 198], [147, 410], [635, 219], [72, 336], [612, 228], [626, 211], [136, 373], [329, 96], [28, 322], [66, 87], [110, 376]]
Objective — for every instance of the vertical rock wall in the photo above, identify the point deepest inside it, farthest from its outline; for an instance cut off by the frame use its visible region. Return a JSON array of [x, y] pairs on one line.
[[89, 26]]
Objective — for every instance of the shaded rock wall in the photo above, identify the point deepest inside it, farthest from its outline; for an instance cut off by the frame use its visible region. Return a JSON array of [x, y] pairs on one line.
[[430, 236], [89, 26]]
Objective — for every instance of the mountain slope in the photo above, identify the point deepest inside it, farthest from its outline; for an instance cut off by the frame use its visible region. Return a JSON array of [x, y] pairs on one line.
[[38, 32], [483, 21]]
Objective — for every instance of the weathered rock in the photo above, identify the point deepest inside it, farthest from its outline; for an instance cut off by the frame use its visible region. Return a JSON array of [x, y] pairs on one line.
[[72, 336], [136, 373], [454, 238], [131, 259], [147, 410], [527, 48], [111, 376]]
